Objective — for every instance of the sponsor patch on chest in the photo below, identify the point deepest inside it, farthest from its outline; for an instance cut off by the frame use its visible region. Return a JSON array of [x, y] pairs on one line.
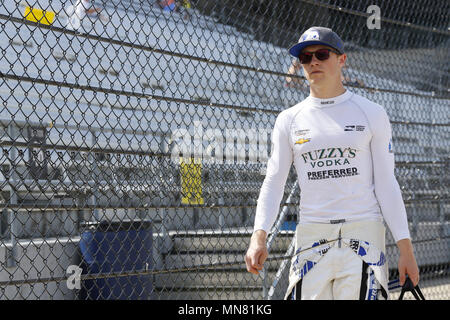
[[354, 127]]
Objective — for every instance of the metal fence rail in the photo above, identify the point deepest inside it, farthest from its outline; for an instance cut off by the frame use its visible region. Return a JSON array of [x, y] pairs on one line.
[[134, 139]]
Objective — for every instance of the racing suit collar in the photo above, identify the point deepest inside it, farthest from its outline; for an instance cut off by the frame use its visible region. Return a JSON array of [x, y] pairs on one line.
[[324, 103]]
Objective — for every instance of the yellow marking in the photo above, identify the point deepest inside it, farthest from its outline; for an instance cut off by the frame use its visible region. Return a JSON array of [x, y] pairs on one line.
[[38, 15], [191, 181], [302, 140]]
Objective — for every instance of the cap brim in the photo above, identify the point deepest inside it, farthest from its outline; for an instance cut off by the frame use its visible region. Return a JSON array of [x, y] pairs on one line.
[[296, 49]]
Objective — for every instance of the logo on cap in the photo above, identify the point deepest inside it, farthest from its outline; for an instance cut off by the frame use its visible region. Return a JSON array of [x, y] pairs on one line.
[[311, 35]]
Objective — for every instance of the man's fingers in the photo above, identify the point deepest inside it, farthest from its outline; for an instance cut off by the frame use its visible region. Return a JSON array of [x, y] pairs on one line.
[[262, 258], [402, 277], [415, 280], [402, 271], [252, 269], [249, 264], [408, 267], [254, 262], [414, 276]]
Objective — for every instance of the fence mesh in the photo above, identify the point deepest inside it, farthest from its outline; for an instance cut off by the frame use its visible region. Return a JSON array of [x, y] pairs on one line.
[[135, 136]]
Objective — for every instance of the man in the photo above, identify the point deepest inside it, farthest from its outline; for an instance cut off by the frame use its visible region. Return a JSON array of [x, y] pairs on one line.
[[168, 5], [294, 82], [341, 146], [80, 10]]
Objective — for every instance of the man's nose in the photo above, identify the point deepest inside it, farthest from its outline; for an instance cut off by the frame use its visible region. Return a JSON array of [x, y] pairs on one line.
[[314, 60]]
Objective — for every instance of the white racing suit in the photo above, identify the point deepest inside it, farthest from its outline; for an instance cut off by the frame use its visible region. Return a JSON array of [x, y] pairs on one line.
[[343, 154], [352, 266]]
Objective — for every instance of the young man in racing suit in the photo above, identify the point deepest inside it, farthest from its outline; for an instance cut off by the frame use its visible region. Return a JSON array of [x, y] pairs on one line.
[[341, 146]]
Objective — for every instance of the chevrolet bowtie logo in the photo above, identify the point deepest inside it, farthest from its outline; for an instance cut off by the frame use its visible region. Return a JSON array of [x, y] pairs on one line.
[[301, 141]]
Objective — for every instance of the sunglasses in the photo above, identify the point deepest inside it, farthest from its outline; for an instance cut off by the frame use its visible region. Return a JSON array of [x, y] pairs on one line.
[[321, 54]]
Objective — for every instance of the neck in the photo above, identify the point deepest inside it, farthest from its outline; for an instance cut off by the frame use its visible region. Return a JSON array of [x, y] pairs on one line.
[[326, 91]]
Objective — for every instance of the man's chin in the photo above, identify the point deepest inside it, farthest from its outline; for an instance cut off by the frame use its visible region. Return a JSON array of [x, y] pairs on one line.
[[316, 80]]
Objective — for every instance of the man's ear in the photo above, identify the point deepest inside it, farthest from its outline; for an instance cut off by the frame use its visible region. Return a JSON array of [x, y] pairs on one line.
[[342, 59]]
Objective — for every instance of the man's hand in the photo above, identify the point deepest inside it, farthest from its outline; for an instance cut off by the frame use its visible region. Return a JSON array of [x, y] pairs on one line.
[[257, 252], [407, 264]]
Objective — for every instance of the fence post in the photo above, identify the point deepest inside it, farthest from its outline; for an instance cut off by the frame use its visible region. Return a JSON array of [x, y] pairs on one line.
[[94, 171], [11, 261], [275, 229]]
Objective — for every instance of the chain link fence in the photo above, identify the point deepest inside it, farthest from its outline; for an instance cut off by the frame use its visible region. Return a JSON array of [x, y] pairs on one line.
[[135, 135]]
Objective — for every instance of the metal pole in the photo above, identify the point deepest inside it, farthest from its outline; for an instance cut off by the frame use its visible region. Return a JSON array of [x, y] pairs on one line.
[[274, 234], [94, 172], [13, 213]]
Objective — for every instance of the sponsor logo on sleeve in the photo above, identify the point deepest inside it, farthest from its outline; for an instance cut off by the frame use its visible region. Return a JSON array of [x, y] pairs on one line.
[[391, 146]]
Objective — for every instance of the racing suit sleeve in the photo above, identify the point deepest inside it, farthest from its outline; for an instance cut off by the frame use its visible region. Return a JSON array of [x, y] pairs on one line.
[[387, 189], [278, 168]]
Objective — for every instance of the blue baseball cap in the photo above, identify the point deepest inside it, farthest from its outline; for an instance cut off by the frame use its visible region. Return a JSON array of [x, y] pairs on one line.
[[318, 35]]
